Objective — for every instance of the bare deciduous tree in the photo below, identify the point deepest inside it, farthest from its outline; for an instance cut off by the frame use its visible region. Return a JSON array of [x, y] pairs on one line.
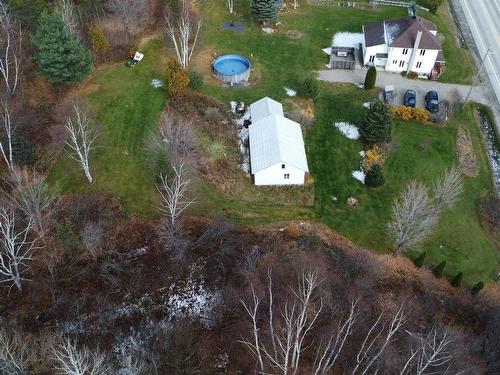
[[413, 217], [10, 49], [31, 194], [15, 354], [69, 14], [173, 193], [283, 345], [178, 136], [431, 355], [230, 6], [15, 248], [71, 360], [92, 238], [447, 189], [82, 135], [180, 32], [376, 341], [8, 132]]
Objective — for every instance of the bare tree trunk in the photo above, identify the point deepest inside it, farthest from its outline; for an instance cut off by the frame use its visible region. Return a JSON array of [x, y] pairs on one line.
[[230, 6], [15, 249], [10, 49], [71, 360], [16, 356], [82, 136], [68, 12], [179, 31], [8, 131]]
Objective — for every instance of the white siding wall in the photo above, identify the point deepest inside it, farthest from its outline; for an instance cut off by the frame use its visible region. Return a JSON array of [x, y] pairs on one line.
[[372, 51], [396, 55], [428, 61], [275, 175]]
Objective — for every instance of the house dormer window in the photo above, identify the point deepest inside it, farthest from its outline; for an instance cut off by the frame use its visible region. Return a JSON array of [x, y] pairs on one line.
[[422, 52], [405, 51]]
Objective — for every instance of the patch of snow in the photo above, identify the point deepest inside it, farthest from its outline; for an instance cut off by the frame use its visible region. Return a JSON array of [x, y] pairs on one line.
[[346, 39], [362, 154], [367, 105], [349, 130], [290, 92], [268, 30], [157, 83], [359, 175]]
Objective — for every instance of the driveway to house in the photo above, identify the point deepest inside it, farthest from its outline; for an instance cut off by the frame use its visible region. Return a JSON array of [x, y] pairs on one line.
[[401, 84]]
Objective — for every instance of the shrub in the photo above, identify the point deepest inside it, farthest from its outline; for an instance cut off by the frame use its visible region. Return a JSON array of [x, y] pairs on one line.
[[370, 78], [477, 288], [377, 126], [40, 93], [419, 262], [457, 280], [374, 155], [23, 151], [195, 80], [412, 75], [420, 114], [310, 87], [99, 43], [68, 238], [375, 177], [176, 78], [438, 271]]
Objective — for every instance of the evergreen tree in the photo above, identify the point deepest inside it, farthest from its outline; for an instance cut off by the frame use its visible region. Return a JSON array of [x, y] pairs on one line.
[[264, 10], [370, 78], [377, 126], [477, 288], [457, 280], [60, 56], [438, 271], [375, 177], [419, 262]]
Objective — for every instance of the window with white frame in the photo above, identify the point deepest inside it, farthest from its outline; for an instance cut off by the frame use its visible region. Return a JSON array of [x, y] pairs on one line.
[[405, 51], [394, 62], [286, 176], [422, 52], [372, 58], [401, 63], [419, 64], [282, 166]]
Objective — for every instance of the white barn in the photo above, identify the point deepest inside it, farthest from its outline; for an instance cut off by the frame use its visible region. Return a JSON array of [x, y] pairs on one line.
[[277, 152]]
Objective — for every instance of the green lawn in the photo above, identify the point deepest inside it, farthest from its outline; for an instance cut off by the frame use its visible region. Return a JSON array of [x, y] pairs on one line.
[[126, 108]]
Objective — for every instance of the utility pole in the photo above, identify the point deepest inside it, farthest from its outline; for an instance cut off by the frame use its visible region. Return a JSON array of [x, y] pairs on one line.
[[477, 75]]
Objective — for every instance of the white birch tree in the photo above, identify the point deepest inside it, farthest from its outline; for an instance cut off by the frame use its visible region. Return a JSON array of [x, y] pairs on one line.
[[183, 33], [69, 14], [413, 217], [230, 6], [15, 248], [82, 135], [10, 49], [71, 360], [16, 356], [174, 201], [7, 131]]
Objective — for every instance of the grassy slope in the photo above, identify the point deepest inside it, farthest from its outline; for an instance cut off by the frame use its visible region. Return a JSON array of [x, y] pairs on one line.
[[127, 107]]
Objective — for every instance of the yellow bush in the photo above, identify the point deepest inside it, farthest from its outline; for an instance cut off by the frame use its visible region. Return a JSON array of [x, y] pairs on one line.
[[374, 155], [421, 115]]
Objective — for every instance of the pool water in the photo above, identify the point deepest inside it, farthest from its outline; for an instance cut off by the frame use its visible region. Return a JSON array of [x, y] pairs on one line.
[[231, 67]]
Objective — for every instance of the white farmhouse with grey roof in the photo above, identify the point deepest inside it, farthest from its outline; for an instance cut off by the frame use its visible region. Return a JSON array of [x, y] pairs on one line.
[[277, 152], [408, 44]]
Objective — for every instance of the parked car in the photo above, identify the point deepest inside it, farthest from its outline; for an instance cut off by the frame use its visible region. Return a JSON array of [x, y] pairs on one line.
[[388, 94], [410, 98], [432, 101]]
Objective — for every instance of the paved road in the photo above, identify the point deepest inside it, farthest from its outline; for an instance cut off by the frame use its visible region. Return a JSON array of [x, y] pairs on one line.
[[483, 17], [402, 84]]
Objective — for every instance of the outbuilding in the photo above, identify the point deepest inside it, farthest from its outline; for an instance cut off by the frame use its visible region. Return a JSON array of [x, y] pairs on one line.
[[277, 152]]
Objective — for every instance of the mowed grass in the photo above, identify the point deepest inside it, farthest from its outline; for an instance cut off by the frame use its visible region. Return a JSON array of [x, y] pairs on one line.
[[419, 152], [126, 107]]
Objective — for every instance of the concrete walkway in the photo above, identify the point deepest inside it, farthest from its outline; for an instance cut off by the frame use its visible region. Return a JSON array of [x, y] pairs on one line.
[[402, 84]]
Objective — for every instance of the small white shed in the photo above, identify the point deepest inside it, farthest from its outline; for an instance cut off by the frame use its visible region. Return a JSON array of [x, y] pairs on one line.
[[265, 107], [277, 152]]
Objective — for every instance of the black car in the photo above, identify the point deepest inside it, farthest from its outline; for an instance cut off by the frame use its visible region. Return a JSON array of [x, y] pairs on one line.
[[432, 101], [410, 98]]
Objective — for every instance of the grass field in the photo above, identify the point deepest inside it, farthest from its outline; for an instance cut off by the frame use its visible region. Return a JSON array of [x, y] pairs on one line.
[[127, 108]]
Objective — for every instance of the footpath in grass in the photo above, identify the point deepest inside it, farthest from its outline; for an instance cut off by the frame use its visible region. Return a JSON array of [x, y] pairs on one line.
[[421, 152], [126, 108]]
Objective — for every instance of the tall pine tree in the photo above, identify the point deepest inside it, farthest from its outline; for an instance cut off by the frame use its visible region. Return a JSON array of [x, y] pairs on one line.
[[264, 10], [60, 56], [377, 126]]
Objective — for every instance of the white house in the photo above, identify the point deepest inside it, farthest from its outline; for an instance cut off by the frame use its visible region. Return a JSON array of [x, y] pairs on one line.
[[408, 44], [277, 152]]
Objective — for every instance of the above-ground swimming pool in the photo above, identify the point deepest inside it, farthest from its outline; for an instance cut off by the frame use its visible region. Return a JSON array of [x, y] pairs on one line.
[[232, 68]]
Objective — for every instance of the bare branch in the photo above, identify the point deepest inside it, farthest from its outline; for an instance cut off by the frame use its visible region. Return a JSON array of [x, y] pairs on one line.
[[447, 189], [82, 136], [15, 354], [180, 31], [70, 360], [69, 15], [412, 219], [10, 49], [8, 131], [177, 135]]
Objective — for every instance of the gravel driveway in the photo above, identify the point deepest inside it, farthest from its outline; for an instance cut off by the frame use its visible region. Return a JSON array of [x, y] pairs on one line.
[[401, 84]]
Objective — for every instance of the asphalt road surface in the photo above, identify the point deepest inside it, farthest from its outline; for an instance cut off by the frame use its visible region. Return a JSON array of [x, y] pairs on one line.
[[483, 17]]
